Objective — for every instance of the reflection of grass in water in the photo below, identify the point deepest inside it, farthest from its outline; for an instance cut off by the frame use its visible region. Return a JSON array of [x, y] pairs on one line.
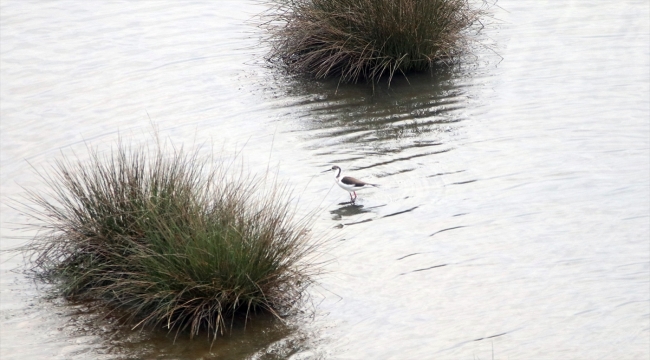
[[413, 129], [366, 39], [409, 129], [422, 110], [169, 240], [262, 337]]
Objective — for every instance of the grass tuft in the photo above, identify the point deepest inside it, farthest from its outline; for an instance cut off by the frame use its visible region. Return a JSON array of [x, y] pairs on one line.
[[169, 239], [367, 39]]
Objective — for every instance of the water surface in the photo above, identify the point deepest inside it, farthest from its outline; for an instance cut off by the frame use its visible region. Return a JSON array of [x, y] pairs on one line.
[[513, 216]]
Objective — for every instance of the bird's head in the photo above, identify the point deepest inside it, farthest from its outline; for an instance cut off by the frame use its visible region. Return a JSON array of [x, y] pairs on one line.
[[333, 168]]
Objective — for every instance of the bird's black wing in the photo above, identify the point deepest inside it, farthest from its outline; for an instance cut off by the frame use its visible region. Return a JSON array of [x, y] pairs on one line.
[[348, 180]]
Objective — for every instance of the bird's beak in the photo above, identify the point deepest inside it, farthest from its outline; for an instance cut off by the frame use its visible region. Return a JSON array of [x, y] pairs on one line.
[[326, 171]]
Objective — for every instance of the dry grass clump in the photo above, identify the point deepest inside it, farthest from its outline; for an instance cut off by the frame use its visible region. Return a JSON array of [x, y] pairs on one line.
[[366, 39], [169, 239]]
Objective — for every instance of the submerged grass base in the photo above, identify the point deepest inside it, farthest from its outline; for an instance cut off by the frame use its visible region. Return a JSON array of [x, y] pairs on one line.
[[367, 39], [168, 239]]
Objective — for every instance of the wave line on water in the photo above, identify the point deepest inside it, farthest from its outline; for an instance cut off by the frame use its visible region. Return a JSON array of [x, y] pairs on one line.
[[401, 212], [423, 269], [402, 159], [451, 228], [405, 256]]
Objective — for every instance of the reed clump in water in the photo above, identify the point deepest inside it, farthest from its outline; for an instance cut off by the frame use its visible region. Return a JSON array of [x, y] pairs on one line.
[[170, 239], [366, 39]]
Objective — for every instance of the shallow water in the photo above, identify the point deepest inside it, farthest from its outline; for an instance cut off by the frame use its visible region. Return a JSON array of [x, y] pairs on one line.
[[513, 216]]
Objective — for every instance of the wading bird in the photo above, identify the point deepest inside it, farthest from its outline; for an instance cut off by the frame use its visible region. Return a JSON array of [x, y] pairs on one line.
[[350, 184]]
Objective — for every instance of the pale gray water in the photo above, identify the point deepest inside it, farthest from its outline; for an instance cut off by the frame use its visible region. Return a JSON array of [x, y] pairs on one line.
[[514, 213]]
